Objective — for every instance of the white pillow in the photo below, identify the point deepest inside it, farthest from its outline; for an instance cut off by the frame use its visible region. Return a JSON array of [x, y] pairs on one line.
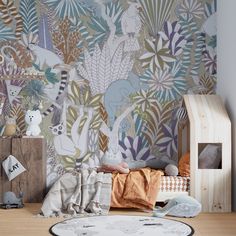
[[210, 157]]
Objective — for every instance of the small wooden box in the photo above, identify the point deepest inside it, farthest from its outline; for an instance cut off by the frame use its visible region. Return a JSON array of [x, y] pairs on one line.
[[31, 152]]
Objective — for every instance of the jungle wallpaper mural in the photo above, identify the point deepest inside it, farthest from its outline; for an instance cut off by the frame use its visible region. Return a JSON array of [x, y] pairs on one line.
[[107, 75]]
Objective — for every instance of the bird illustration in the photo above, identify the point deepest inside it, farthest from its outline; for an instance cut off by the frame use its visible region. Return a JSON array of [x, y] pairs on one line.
[[131, 25]]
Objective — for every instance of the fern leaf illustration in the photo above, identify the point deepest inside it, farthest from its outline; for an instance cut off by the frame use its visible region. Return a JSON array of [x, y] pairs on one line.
[[94, 83], [83, 72], [124, 67], [103, 139], [158, 115], [20, 120], [115, 65], [104, 70], [28, 13], [88, 64], [103, 142], [129, 68]]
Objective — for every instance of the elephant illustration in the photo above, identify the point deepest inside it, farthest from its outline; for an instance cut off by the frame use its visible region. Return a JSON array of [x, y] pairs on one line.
[[117, 94]]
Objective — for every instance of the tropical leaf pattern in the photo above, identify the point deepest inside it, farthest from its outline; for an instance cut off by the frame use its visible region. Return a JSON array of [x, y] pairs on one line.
[[210, 8], [191, 8], [157, 55], [29, 16], [194, 46], [155, 13], [87, 40], [168, 143], [132, 149], [209, 58], [167, 86], [6, 33], [66, 41], [103, 139], [103, 70], [100, 26], [155, 118], [208, 84], [20, 121], [172, 34], [65, 8]]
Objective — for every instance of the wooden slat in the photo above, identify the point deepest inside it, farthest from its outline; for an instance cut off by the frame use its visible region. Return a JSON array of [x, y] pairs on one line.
[[5, 151], [31, 153]]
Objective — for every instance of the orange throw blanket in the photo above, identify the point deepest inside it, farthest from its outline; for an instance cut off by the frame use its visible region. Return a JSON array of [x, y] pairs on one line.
[[138, 189]]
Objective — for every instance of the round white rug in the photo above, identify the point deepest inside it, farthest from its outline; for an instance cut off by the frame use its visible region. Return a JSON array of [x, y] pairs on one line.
[[119, 225]]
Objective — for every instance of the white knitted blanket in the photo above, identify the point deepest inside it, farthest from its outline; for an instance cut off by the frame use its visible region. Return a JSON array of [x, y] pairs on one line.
[[81, 192]]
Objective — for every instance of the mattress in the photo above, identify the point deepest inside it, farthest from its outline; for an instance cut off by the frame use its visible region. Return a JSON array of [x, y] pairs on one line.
[[175, 184]]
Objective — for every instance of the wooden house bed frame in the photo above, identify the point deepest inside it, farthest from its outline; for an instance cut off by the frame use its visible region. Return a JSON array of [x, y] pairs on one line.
[[207, 123]]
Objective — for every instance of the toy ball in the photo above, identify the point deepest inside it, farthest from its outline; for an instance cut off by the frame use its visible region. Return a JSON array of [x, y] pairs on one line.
[[171, 170]]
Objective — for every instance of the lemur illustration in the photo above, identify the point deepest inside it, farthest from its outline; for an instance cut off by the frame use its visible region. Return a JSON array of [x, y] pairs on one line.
[[66, 146], [63, 144], [67, 73], [62, 87], [44, 56]]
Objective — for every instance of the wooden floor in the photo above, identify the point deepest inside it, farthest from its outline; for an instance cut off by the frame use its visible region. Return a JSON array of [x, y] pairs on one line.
[[23, 222]]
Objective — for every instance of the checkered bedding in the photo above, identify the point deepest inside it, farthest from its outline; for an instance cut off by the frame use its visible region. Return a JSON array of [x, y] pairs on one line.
[[175, 184]]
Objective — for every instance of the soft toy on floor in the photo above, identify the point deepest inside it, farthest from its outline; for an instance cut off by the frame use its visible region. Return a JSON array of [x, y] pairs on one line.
[[33, 119], [182, 206]]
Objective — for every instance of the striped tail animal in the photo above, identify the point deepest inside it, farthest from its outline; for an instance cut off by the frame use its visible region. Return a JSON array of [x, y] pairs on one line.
[[62, 87], [9, 12]]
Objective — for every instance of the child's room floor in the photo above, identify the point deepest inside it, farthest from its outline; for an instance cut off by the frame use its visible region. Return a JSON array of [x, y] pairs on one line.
[[23, 222]]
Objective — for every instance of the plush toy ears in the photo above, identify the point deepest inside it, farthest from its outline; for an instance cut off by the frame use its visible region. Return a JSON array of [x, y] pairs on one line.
[[38, 111]]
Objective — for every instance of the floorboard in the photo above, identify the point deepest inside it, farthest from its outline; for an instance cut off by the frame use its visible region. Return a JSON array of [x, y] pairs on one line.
[[24, 222]]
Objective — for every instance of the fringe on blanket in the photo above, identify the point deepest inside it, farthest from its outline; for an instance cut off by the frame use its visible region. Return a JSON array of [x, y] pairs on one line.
[[79, 193]]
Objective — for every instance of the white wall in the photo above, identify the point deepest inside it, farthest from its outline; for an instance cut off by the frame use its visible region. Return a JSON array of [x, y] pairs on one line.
[[226, 83]]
